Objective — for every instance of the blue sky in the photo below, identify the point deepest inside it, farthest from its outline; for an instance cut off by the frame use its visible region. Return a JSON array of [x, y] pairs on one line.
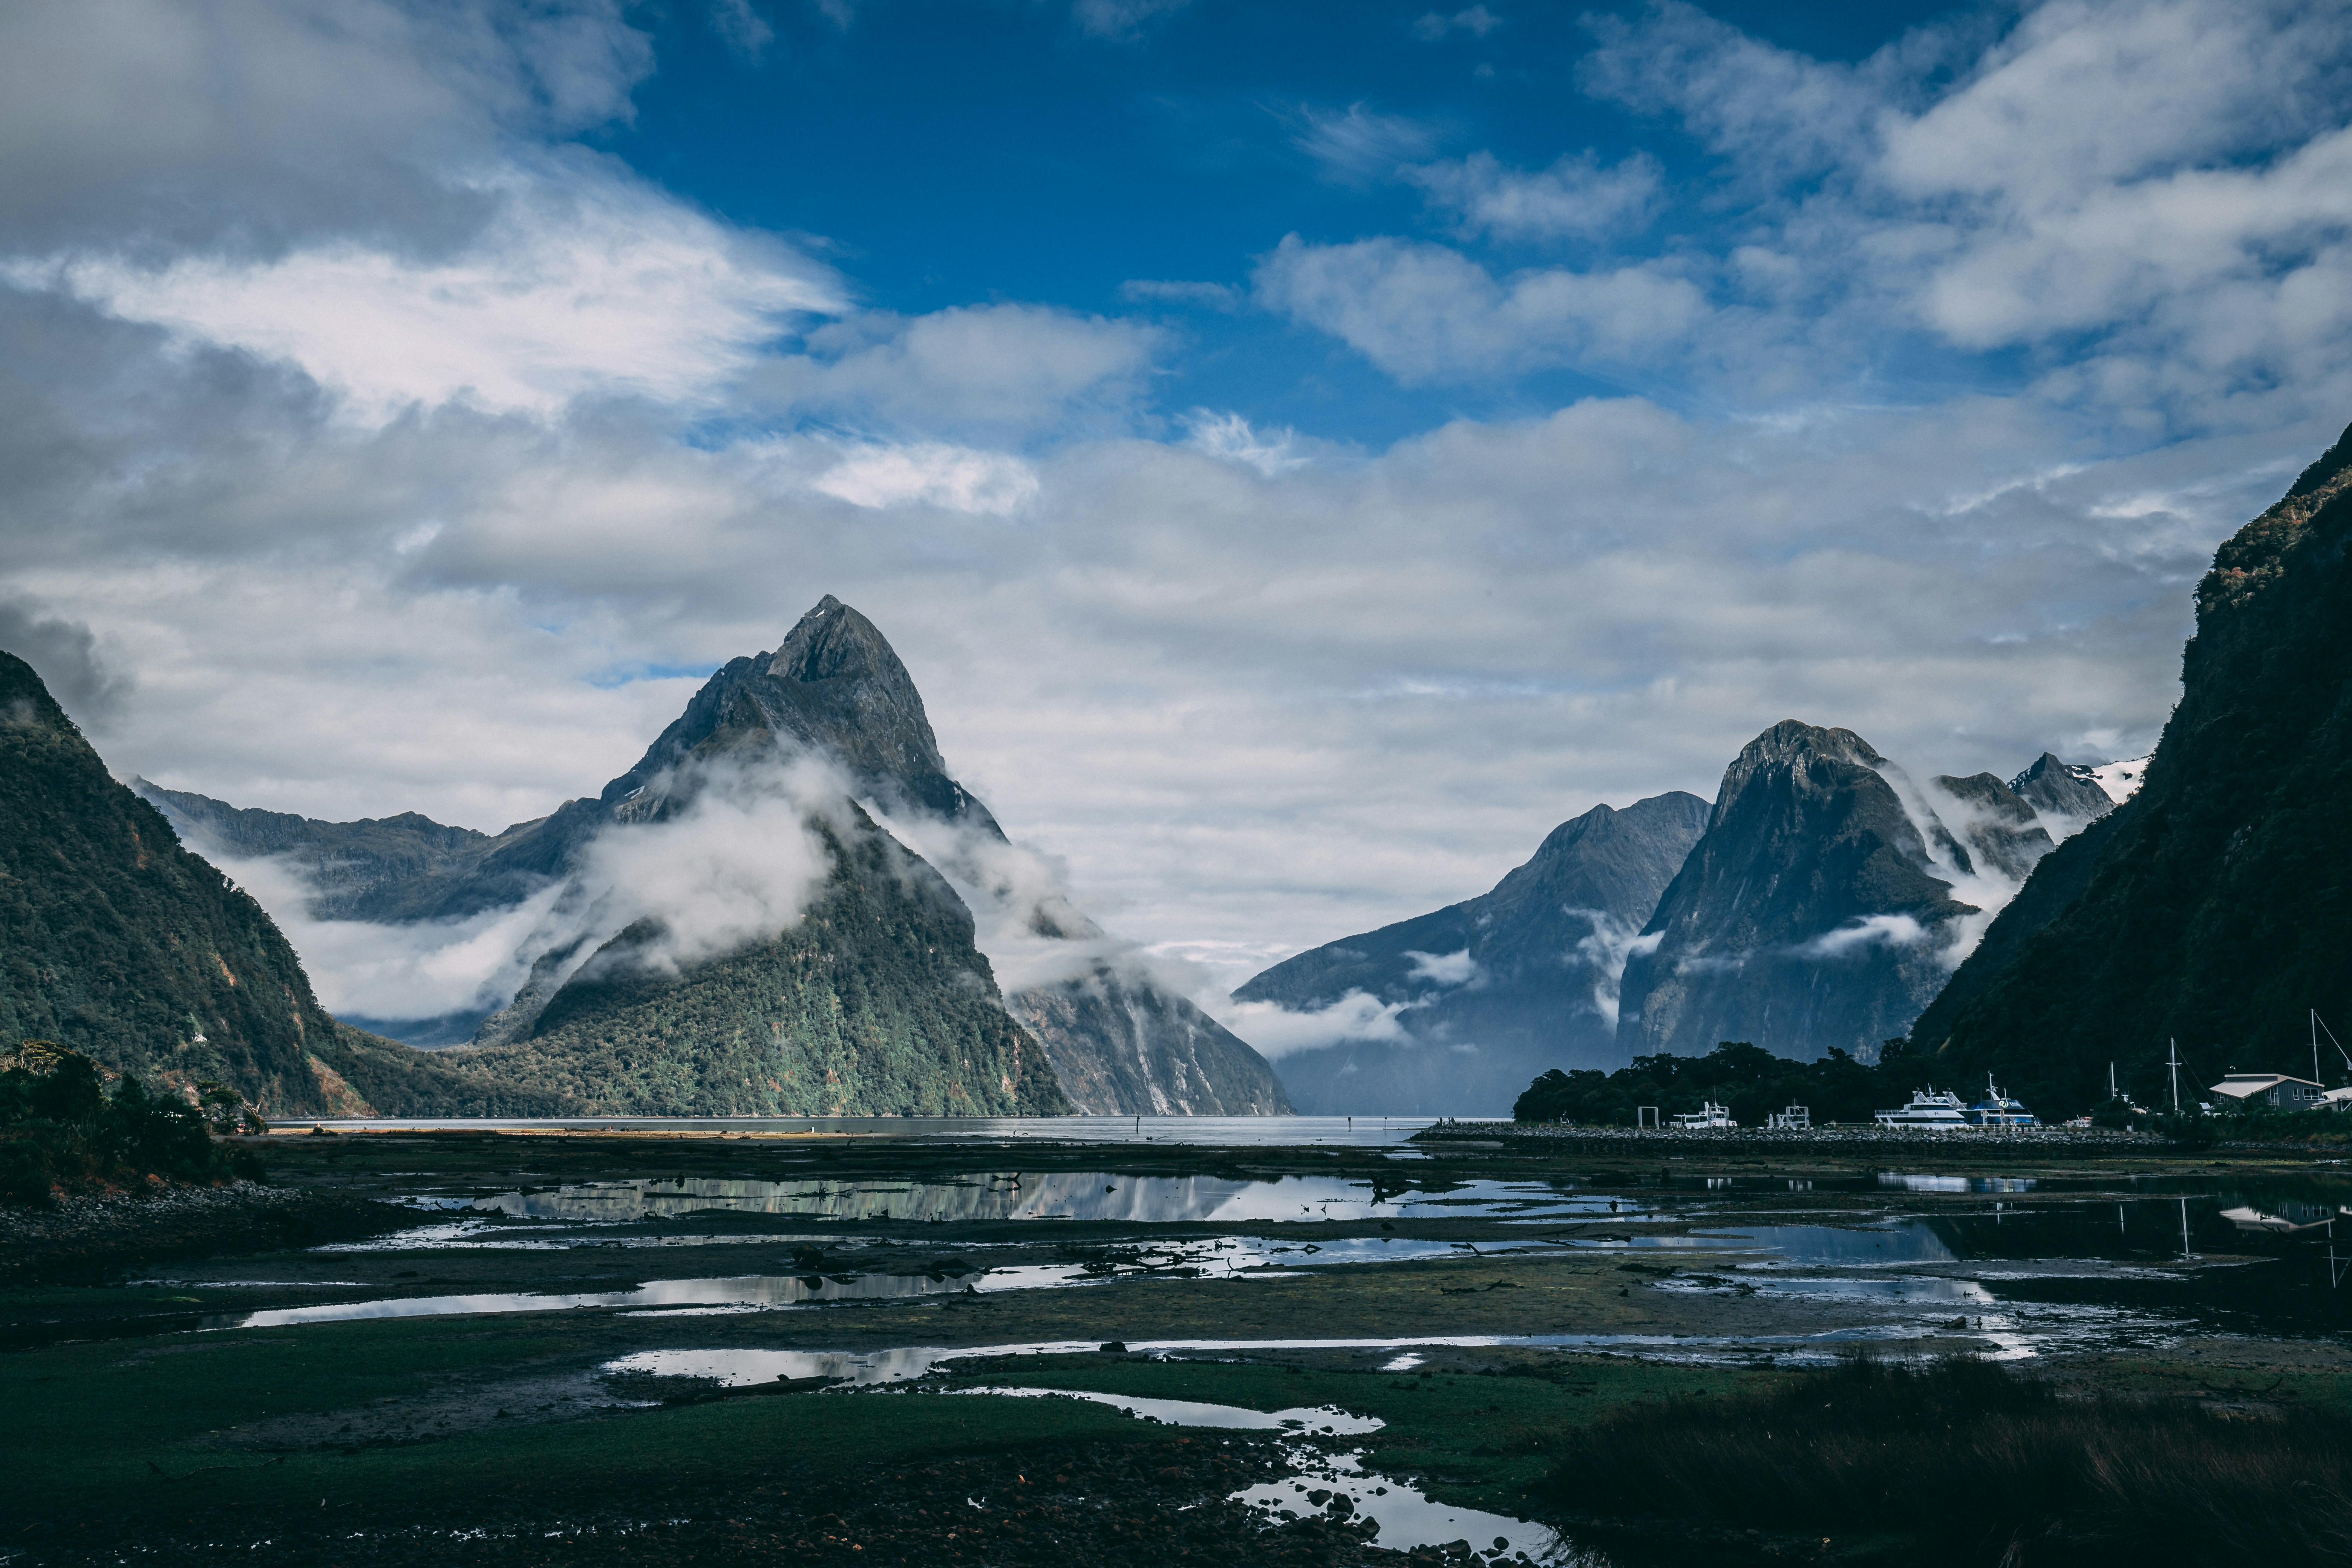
[[1184, 149], [1304, 453]]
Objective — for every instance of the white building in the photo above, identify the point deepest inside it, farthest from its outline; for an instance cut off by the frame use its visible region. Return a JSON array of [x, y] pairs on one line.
[[2274, 1089]]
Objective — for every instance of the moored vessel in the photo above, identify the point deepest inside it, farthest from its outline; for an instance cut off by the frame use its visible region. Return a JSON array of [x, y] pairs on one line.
[[1930, 1108]]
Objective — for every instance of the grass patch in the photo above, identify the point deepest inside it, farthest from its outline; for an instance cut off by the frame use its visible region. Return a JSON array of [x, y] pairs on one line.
[[1962, 1463], [122, 1437], [1477, 1438]]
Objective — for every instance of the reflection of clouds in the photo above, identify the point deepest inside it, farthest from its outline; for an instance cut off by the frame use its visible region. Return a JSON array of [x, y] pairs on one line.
[[1086, 1195]]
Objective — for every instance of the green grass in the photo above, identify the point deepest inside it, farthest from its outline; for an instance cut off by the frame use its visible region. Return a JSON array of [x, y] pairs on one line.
[[1475, 1439], [90, 1424]]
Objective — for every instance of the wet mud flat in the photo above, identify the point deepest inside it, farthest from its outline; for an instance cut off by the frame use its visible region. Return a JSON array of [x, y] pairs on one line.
[[626, 1346], [78, 1240], [1117, 1503]]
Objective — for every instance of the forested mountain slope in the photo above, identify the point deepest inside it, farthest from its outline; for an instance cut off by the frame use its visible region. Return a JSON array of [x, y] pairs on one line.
[[120, 943], [2215, 906]]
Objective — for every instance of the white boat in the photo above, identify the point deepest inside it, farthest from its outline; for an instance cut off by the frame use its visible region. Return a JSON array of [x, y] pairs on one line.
[[1930, 1108], [1714, 1116], [1996, 1110]]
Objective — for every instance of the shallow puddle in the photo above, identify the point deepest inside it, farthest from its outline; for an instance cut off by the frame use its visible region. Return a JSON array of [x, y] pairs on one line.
[[1406, 1519], [1227, 1258], [1324, 1420], [750, 1294]]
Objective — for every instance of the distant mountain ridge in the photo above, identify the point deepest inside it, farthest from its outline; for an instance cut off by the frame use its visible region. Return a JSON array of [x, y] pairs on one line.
[[1821, 901], [1489, 991]]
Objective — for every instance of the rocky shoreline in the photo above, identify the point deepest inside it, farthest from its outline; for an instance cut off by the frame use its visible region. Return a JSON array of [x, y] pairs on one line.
[[82, 1240]]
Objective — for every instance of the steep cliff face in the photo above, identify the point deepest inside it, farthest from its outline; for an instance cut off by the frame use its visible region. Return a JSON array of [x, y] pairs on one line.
[[1810, 914], [1484, 993], [119, 943], [1120, 1047], [2216, 906]]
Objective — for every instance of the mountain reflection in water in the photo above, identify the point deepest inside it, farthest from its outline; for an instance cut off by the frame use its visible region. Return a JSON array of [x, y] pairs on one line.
[[1067, 1195]]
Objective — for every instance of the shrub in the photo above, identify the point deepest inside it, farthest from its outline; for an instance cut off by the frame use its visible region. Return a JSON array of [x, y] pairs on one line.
[[1971, 1465], [59, 1127]]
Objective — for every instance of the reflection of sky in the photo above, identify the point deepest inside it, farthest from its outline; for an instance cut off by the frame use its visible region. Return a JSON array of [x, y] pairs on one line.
[[1908, 1242], [1065, 1195], [1916, 1183], [1407, 1520], [751, 1291], [1217, 1258]]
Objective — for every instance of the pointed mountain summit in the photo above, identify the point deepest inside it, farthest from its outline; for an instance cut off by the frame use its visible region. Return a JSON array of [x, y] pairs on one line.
[[1808, 915], [2062, 790], [1483, 995], [117, 942], [835, 685], [2215, 906], [598, 999]]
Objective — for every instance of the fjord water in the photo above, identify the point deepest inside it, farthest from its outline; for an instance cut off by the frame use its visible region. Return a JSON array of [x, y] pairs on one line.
[[1215, 1132]]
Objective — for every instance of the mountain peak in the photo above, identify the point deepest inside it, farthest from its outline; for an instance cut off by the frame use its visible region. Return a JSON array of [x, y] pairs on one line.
[[1790, 748], [837, 683], [2065, 790], [834, 642]]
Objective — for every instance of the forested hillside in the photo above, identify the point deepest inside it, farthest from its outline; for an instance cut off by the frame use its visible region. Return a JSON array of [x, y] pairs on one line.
[[2216, 906], [117, 942]]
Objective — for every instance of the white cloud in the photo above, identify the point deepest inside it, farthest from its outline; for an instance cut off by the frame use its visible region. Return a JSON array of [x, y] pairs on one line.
[[1121, 19], [266, 122], [1274, 1031], [1361, 144], [1576, 198], [1864, 932], [1610, 946], [979, 368], [1230, 437], [428, 969], [2154, 192], [1149, 290], [1441, 969], [1424, 313], [584, 283], [1478, 21], [743, 30], [956, 478], [739, 864]]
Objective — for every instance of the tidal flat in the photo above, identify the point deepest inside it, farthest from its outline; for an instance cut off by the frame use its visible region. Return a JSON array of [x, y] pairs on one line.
[[525, 1346]]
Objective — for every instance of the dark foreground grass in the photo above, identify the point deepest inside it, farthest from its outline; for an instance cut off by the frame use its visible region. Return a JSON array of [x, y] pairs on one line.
[[1961, 1463]]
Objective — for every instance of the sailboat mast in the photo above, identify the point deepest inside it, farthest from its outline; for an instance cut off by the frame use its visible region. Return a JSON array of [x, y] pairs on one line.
[[2174, 1064]]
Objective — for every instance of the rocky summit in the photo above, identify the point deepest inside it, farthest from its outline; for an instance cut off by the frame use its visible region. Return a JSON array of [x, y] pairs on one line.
[[1809, 914], [2065, 792], [2214, 907], [117, 942], [877, 1000], [1482, 996]]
